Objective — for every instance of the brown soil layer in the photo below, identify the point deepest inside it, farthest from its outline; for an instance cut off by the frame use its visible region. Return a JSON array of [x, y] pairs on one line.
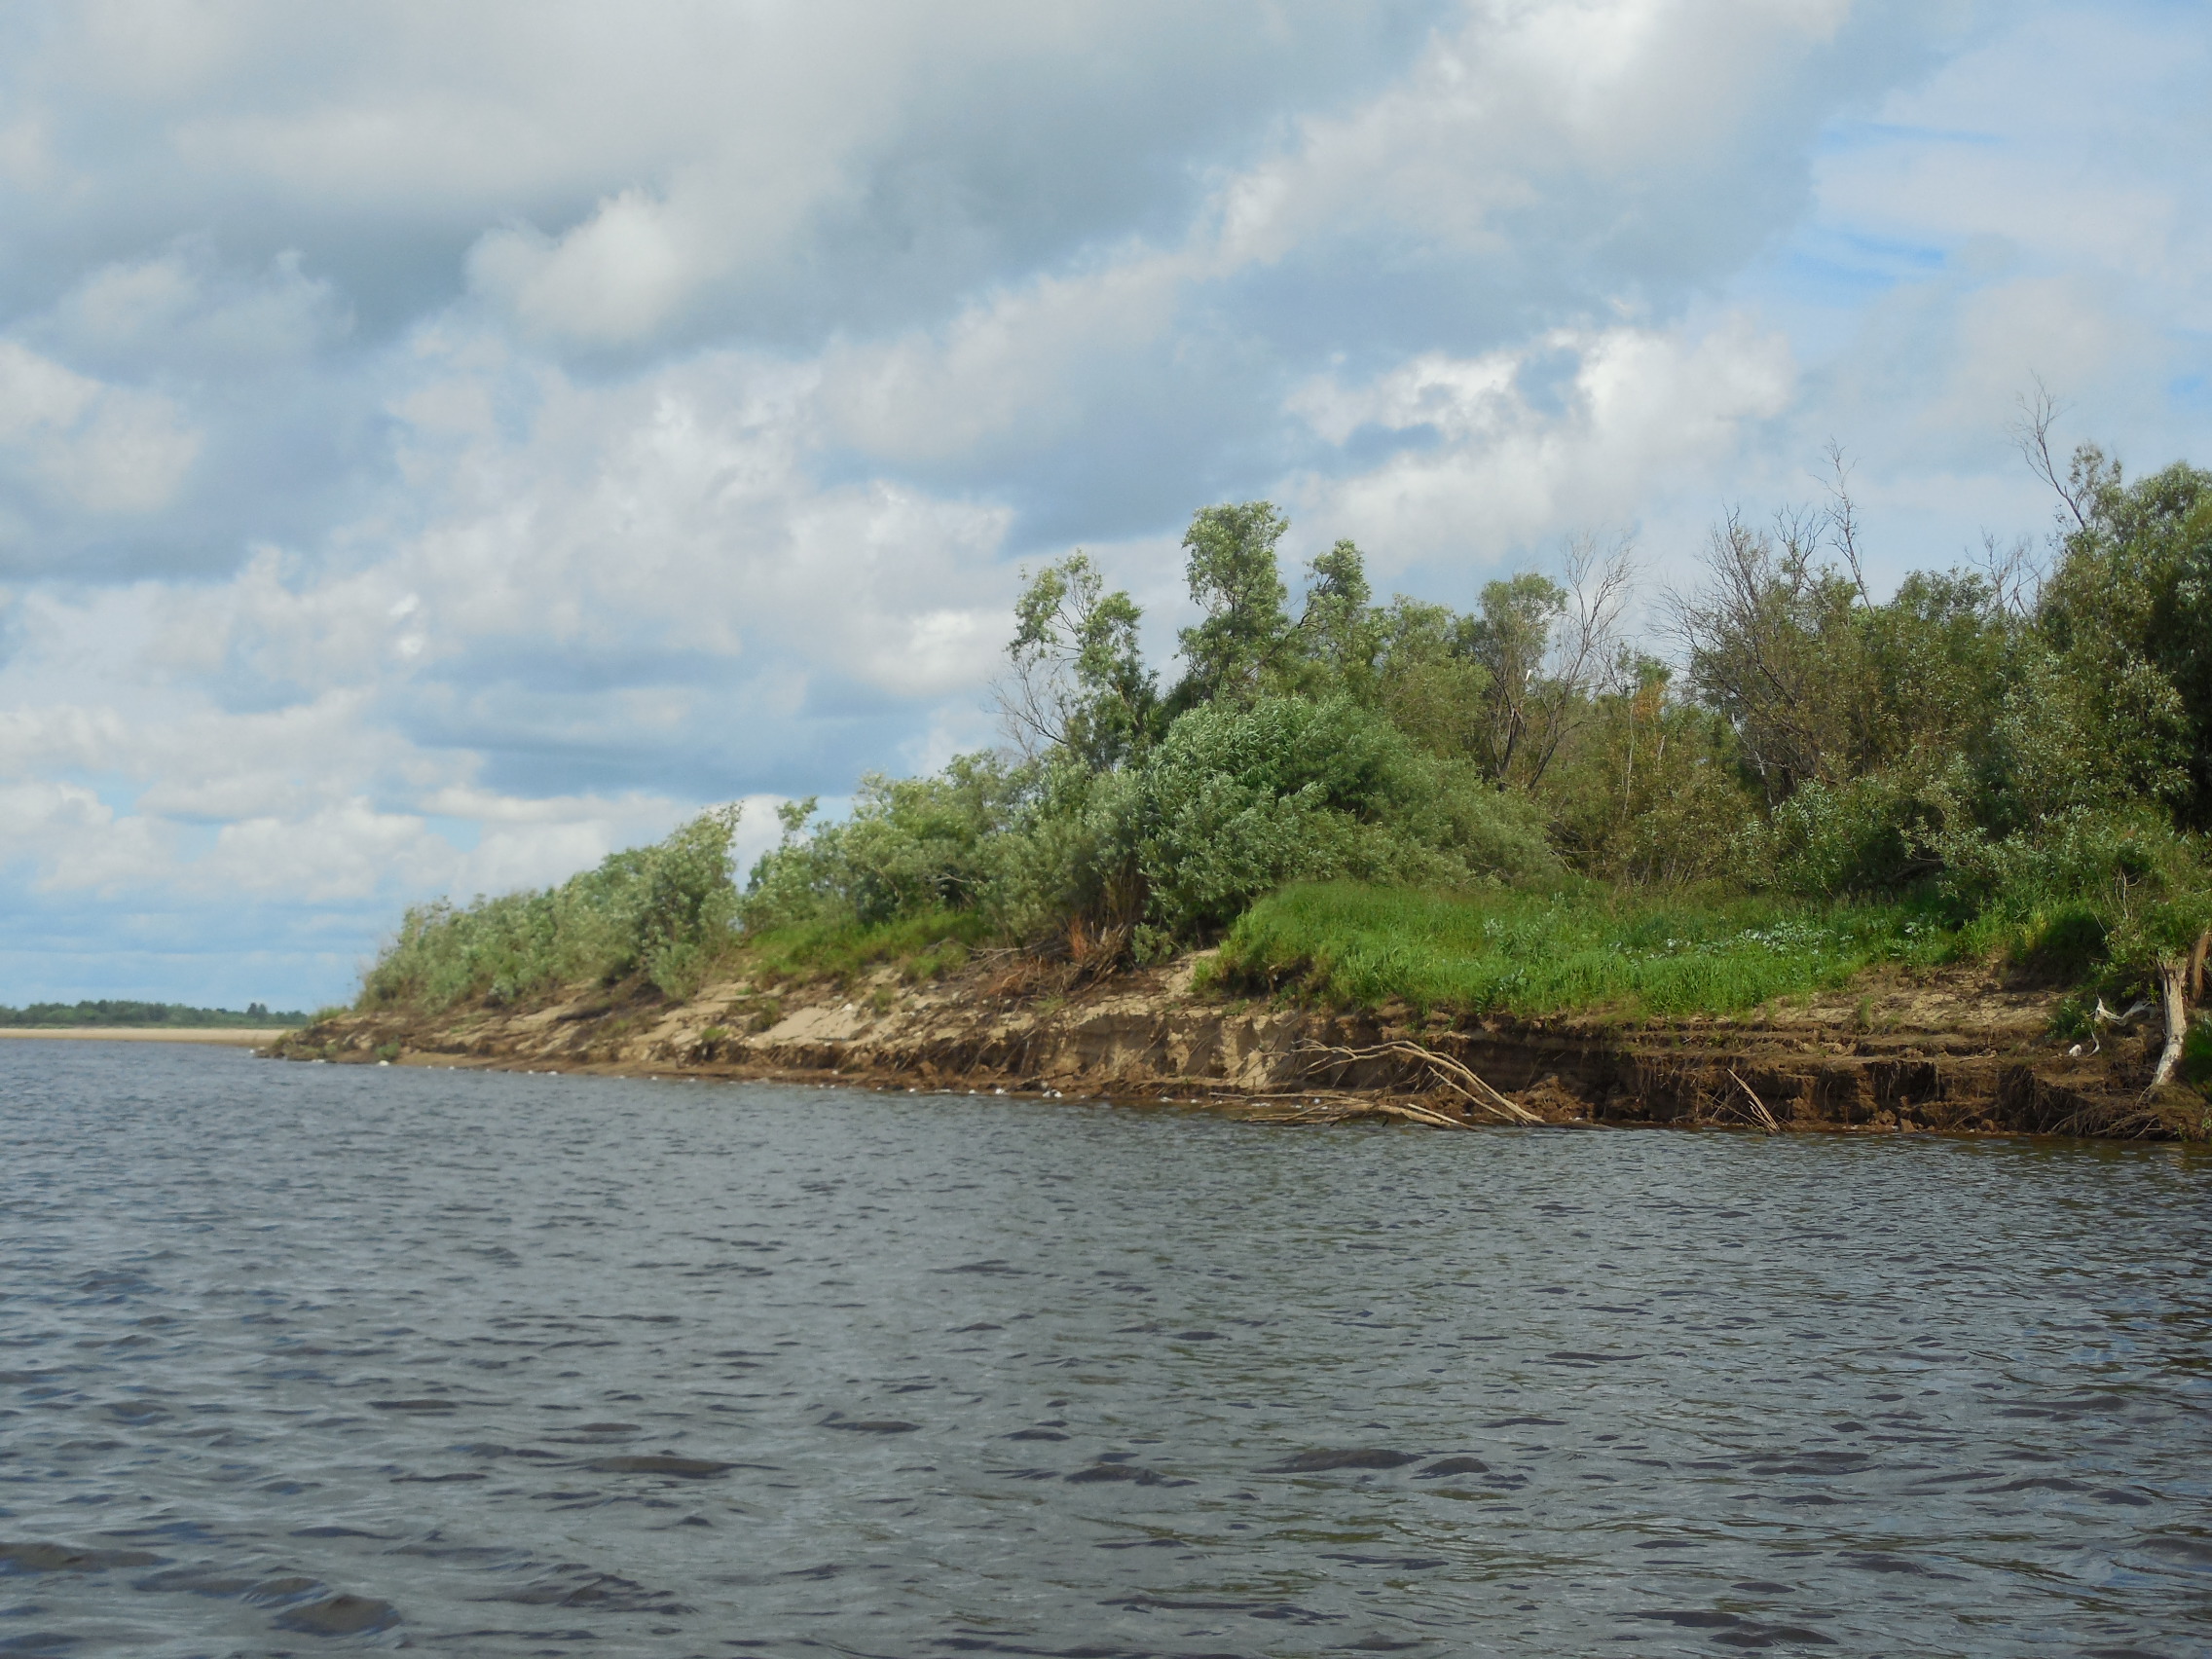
[[1953, 1050]]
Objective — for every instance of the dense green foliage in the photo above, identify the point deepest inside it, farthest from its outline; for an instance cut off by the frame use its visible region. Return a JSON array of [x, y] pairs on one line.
[[1491, 808], [62, 1015]]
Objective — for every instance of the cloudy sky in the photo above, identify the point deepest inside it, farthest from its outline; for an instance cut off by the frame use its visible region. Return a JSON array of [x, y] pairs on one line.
[[441, 442]]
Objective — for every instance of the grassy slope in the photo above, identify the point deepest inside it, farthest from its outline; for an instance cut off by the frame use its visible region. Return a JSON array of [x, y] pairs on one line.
[[1583, 949], [1578, 948], [924, 946]]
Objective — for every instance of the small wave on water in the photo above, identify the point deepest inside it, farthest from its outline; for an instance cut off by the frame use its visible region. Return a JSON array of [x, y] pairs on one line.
[[320, 1359]]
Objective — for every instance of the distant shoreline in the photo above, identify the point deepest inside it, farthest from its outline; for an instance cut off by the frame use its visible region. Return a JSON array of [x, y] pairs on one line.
[[238, 1036]]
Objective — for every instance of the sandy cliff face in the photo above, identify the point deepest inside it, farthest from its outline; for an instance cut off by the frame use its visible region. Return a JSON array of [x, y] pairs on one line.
[[1949, 1051]]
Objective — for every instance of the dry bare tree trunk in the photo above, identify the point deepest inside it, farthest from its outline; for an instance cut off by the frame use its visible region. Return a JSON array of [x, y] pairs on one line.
[[1843, 519], [2172, 981]]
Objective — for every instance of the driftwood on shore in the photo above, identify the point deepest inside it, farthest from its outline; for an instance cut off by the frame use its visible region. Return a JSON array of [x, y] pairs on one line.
[[1455, 1076], [1763, 1117], [1336, 1107]]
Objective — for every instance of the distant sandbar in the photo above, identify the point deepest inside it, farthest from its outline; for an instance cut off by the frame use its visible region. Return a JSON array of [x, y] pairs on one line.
[[238, 1036]]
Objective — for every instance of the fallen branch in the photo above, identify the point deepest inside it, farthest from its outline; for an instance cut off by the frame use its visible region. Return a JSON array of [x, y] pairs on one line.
[[1766, 1117], [1336, 1106], [1377, 1109], [1345, 1107], [1451, 1072]]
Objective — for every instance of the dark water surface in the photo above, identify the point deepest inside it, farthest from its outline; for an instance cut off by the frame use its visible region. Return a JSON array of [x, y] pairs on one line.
[[306, 1359]]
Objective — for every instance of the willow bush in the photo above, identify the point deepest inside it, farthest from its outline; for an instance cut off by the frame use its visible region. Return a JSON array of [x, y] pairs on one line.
[[663, 912]]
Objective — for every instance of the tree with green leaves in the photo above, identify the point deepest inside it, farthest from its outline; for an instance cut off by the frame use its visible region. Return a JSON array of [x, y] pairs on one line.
[[1426, 682], [1234, 580], [1079, 685], [1338, 638], [2126, 619]]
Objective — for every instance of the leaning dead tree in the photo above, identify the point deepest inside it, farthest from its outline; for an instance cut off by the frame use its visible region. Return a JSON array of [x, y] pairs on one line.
[[2181, 983]]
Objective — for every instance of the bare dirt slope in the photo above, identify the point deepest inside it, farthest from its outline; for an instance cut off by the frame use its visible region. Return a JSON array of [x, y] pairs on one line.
[[1951, 1050]]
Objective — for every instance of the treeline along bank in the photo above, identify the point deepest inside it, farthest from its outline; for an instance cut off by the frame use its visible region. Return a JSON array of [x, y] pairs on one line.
[[1786, 781]]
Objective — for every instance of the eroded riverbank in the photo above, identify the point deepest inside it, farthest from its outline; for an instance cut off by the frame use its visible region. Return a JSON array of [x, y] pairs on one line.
[[1954, 1050]]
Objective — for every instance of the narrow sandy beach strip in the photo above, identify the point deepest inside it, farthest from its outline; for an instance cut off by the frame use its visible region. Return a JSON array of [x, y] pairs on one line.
[[242, 1037]]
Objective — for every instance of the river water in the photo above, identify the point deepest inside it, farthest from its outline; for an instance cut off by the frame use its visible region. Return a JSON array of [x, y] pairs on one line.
[[309, 1359]]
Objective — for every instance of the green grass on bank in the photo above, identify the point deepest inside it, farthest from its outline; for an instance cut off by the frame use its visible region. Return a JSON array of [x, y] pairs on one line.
[[923, 946], [1519, 952]]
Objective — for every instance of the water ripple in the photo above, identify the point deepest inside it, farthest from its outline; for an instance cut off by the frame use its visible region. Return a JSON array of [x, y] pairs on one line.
[[316, 1359]]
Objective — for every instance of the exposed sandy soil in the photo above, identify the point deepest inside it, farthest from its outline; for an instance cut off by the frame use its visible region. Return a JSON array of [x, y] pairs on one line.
[[1954, 1049]]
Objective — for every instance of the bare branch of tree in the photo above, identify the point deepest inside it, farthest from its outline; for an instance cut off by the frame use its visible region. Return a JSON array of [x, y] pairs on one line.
[[2040, 412], [1584, 655], [2015, 574], [1753, 635], [1843, 516], [1030, 703]]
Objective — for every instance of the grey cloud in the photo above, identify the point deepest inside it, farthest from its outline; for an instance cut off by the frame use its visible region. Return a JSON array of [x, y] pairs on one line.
[[931, 164], [230, 401], [945, 146], [732, 740], [246, 206], [1482, 202]]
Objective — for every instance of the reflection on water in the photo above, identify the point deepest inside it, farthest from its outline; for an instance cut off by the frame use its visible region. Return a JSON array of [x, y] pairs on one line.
[[304, 1359]]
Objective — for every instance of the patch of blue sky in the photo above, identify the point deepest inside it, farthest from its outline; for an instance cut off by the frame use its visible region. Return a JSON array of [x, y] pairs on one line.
[[1369, 444], [116, 792], [461, 833], [1839, 266], [2192, 391], [1844, 137]]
